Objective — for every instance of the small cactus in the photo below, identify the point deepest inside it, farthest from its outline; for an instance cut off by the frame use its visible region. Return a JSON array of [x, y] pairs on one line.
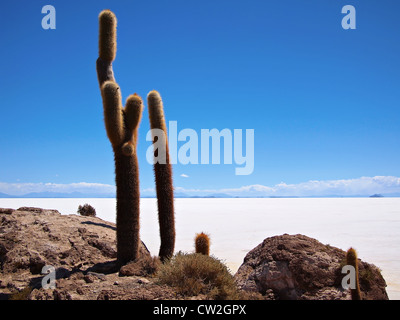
[[122, 130], [202, 244], [163, 177], [352, 260]]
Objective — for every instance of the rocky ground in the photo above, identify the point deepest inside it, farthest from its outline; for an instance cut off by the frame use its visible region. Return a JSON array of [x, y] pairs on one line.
[[83, 250]]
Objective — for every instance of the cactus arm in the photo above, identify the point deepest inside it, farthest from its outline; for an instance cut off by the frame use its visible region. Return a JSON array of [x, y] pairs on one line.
[[107, 35], [107, 46], [133, 115], [113, 114]]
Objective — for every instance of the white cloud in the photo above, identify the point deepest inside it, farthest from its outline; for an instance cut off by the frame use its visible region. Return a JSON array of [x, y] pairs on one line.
[[184, 175], [364, 186], [346, 187], [18, 189]]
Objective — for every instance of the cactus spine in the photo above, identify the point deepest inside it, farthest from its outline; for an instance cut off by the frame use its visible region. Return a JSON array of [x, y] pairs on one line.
[[122, 130], [202, 244], [352, 260], [163, 177]]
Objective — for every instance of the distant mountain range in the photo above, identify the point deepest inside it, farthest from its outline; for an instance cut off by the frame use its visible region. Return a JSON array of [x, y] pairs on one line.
[[177, 195]]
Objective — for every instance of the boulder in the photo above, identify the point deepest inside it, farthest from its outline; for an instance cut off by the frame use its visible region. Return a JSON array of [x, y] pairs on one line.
[[31, 238], [297, 267]]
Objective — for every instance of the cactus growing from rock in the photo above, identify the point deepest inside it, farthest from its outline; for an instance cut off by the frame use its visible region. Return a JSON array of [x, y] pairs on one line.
[[352, 260], [122, 130], [163, 176], [202, 243]]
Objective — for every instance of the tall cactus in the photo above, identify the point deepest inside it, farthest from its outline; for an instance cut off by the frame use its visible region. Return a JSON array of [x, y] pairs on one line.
[[352, 260], [163, 177], [122, 130]]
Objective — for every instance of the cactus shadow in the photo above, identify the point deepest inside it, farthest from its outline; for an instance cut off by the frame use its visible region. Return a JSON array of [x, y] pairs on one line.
[[60, 273], [100, 225], [4, 296], [107, 267]]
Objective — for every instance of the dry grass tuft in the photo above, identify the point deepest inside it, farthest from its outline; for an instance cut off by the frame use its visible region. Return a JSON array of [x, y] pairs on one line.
[[194, 274], [144, 267]]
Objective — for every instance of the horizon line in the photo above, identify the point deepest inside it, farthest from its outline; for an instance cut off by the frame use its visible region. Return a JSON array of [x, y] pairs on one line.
[[358, 187]]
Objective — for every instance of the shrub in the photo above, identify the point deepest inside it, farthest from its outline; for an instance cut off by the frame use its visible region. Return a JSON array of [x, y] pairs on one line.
[[144, 266], [194, 274], [87, 210]]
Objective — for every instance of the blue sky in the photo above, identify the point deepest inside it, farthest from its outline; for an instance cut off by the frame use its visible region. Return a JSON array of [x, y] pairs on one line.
[[323, 101]]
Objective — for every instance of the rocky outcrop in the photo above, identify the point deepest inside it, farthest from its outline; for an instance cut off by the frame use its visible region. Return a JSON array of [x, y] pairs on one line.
[[82, 251], [301, 268]]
